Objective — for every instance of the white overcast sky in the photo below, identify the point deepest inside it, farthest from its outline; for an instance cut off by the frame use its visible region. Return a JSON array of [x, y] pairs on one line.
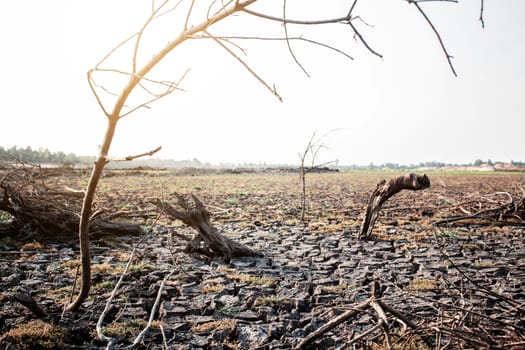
[[405, 108]]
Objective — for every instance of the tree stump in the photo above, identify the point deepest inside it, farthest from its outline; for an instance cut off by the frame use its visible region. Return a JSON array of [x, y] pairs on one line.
[[208, 241], [385, 190]]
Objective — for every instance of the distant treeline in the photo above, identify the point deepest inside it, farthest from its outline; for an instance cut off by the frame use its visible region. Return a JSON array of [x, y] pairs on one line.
[[45, 156], [41, 156]]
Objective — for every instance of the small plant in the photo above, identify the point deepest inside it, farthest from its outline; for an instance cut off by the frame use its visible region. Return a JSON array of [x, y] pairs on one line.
[[5, 216], [232, 201]]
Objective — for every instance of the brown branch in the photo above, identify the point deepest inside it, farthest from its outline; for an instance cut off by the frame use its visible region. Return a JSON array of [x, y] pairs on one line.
[[129, 158], [383, 192], [373, 301], [31, 304], [208, 241]]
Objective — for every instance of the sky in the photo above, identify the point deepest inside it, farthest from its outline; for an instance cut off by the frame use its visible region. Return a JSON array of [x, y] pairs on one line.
[[406, 107]]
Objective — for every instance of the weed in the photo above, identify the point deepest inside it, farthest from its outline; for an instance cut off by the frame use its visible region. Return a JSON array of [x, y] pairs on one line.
[[232, 201], [5, 216]]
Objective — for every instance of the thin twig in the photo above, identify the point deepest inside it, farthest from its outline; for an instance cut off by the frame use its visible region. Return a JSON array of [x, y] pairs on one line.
[[129, 158], [481, 15], [447, 55], [285, 26], [100, 333], [245, 65], [152, 313]]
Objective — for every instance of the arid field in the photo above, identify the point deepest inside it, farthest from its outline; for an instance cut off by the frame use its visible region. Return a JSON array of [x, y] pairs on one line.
[[443, 269]]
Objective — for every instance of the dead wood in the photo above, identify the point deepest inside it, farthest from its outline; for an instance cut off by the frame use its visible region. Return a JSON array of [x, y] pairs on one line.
[[208, 241], [39, 213], [385, 190], [31, 304], [374, 302], [511, 212]]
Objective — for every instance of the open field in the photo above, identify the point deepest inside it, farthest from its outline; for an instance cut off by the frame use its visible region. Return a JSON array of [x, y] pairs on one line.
[[453, 285]]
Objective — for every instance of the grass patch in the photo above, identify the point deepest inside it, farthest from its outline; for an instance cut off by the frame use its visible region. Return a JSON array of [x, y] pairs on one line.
[[226, 324], [32, 246], [125, 328], [423, 284], [37, 334], [255, 280], [271, 301]]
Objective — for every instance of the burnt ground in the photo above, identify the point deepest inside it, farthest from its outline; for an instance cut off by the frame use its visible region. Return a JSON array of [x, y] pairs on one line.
[[454, 285]]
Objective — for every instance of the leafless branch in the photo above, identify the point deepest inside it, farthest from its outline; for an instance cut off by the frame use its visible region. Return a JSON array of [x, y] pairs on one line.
[[481, 15], [245, 65], [129, 158], [447, 55], [141, 32], [300, 38], [296, 21], [188, 15], [362, 39], [92, 86], [100, 333], [285, 26], [170, 88], [152, 313]]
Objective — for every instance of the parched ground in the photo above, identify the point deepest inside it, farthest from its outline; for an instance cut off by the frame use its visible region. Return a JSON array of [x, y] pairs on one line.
[[455, 285]]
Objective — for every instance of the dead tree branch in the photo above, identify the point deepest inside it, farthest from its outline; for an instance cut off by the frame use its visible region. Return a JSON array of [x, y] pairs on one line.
[[208, 241], [441, 43], [372, 302], [384, 191]]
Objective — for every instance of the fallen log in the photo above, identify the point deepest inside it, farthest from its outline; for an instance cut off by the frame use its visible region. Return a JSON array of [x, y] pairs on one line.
[[385, 190]]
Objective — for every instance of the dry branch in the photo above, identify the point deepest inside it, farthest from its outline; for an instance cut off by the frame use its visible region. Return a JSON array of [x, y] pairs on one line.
[[384, 191], [208, 241], [511, 212], [372, 302]]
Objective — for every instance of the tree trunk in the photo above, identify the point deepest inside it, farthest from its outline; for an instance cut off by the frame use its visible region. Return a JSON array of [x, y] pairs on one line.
[[385, 190]]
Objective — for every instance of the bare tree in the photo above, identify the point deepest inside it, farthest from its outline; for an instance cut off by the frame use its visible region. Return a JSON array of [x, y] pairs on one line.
[[309, 156], [194, 21]]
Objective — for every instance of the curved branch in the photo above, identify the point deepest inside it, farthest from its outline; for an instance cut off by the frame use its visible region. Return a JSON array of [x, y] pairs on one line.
[[296, 21]]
